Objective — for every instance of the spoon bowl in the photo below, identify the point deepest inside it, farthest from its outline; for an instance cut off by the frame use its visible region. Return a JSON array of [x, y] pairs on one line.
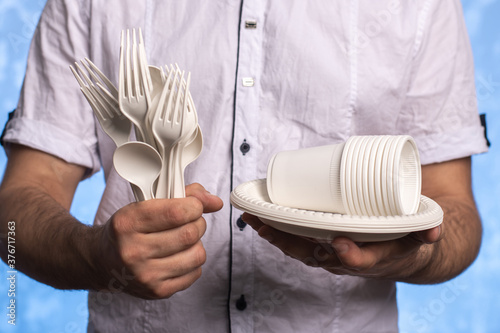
[[140, 164]]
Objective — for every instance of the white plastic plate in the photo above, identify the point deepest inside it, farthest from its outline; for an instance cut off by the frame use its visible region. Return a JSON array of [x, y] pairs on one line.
[[252, 197]]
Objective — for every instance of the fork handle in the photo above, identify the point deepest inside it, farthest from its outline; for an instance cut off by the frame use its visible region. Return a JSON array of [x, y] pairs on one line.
[[178, 186], [139, 133]]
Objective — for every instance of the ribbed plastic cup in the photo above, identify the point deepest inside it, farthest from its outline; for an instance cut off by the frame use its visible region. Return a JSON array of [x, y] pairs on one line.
[[380, 176], [407, 181], [365, 176], [307, 179]]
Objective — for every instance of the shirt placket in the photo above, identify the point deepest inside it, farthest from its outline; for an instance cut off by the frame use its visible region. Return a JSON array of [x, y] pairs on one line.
[[245, 156]]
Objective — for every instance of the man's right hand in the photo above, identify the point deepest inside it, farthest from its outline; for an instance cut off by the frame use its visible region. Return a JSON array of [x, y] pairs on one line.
[[149, 249], [156, 244]]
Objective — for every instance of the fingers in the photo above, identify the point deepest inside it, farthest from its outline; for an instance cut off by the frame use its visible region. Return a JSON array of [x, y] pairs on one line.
[[309, 252], [343, 256], [172, 286], [374, 253], [163, 277], [167, 243], [157, 215], [252, 221], [164, 214], [156, 270], [431, 235], [163, 263], [211, 203], [362, 258], [159, 242]]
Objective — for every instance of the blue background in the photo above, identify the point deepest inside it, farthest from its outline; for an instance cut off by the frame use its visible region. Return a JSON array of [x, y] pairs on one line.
[[469, 303]]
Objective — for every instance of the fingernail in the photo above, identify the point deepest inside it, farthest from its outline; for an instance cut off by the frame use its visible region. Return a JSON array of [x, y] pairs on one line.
[[340, 248]]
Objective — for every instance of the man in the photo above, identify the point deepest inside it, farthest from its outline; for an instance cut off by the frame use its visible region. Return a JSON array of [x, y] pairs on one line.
[[267, 76]]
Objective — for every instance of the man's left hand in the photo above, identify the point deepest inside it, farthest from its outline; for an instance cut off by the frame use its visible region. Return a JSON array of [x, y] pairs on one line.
[[393, 259]]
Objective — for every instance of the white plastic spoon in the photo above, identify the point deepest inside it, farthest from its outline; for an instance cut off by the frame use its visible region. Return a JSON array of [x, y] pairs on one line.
[[140, 164], [190, 152]]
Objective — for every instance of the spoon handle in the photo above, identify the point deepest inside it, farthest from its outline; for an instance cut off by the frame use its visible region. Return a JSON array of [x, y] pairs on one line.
[[138, 193], [163, 186]]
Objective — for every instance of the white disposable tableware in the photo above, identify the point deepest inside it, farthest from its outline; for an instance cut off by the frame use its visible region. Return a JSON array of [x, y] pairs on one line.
[[252, 197], [391, 178], [307, 178], [103, 102], [383, 144], [345, 173], [173, 123], [188, 134], [381, 175], [139, 163], [191, 142], [166, 128], [187, 153], [133, 87], [191, 151], [372, 158], [366, 176], [407, 186], [161, 109], [356, 185]]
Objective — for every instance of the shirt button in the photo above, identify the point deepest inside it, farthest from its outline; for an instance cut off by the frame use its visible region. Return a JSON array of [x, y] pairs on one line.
[[248, 81], [240, 223], [250, 24], [245, 147], [241, 304]]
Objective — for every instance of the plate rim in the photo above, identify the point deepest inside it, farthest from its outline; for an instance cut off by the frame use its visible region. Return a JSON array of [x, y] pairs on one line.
[[430, 217]]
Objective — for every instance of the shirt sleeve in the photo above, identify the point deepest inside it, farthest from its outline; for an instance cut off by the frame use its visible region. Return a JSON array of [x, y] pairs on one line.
[[440, 110], [52, 115]]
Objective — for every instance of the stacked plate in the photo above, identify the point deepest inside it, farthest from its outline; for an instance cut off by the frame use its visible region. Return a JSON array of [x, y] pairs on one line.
[[252, 197]]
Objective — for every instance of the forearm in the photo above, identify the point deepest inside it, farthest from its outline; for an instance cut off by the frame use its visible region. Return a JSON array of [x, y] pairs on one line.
[[51, 245], [447, 258]]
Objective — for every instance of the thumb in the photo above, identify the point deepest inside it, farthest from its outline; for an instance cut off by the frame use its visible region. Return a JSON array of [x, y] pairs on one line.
[[211, 203]]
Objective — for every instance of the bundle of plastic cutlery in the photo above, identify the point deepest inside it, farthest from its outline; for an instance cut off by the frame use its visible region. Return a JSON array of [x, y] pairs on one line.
[[157, 104]]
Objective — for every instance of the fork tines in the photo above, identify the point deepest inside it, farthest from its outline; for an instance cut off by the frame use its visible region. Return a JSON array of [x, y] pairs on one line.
[[100, 98], [135, 70]]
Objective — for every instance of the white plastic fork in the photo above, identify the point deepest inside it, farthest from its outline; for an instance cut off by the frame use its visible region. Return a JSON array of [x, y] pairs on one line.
[[145, 73], [166, 130], [187, 134], [131, 88], [105, 108], [108, 96], [99, 77], [177, 186], [169, 125]]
